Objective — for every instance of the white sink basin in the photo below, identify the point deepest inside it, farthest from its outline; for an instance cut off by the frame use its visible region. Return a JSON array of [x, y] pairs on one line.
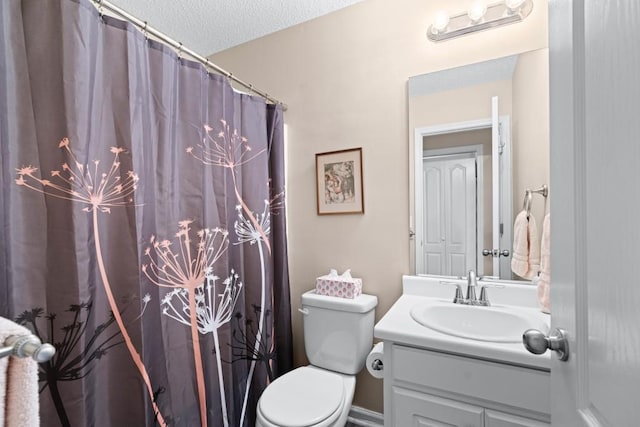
[[500, 324]]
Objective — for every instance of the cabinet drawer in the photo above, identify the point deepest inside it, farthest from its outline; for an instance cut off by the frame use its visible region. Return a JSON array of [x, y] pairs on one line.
[[505, 384], [500, 419], [411, 408]]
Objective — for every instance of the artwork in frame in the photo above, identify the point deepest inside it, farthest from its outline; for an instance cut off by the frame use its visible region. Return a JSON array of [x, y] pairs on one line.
[[339, 182]]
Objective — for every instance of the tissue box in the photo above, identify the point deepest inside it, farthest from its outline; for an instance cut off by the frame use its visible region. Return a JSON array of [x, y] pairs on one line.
[[337, 286]]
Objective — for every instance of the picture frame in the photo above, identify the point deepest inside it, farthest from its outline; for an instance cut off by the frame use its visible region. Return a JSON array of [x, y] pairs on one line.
[[339, 188]]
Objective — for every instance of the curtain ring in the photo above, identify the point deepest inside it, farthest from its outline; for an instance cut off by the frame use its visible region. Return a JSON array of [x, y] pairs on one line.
[[100, 11], [180, 52], [144, 30]]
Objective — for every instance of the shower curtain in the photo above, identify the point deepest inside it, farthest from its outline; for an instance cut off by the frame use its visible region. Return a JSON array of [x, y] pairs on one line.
[[143, 223]]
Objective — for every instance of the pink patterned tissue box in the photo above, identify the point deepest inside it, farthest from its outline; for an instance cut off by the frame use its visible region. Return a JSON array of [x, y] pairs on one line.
[[337, 286]]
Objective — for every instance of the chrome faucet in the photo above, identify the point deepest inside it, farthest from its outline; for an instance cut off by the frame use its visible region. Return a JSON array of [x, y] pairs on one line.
[[472, 282], [471, 299]]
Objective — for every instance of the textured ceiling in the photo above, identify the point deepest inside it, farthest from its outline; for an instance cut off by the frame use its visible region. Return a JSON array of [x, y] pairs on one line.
[[209, 26]]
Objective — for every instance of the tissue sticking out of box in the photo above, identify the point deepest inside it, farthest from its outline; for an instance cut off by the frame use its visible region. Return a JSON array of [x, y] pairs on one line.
[[343, 286]]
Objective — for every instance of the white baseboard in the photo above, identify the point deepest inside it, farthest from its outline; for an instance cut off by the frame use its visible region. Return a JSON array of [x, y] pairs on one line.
[[360, 417]]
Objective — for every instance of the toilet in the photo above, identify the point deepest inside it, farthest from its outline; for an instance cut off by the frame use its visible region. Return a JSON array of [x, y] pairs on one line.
[[338, 335]]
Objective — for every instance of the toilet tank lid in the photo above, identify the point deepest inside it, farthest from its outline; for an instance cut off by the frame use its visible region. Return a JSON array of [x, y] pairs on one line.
[[361, 304]]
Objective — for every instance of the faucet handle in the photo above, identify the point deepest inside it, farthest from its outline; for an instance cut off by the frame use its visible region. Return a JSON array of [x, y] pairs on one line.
[[459, 297], [484, 297]]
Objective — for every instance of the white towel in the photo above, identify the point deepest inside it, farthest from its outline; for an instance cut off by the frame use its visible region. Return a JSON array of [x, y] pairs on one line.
[[525, 259], [544, 297], [19, 400]]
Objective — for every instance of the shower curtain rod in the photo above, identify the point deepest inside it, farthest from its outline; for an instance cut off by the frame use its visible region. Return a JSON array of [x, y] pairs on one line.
[[146, 29]]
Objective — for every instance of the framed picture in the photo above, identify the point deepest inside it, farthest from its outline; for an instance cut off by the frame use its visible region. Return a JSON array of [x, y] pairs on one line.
[[339, 182]]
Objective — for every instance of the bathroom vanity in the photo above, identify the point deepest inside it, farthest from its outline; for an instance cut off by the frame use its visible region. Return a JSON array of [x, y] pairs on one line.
[[448, 364]]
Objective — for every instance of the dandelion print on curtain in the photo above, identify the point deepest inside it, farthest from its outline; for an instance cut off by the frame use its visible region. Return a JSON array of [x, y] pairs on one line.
[[143, 224]]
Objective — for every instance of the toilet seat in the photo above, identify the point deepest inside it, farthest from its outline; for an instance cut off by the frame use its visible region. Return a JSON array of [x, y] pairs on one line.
[[307, 396]]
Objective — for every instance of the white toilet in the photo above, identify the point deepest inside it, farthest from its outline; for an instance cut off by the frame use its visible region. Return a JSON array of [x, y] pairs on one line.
[[338, 335]]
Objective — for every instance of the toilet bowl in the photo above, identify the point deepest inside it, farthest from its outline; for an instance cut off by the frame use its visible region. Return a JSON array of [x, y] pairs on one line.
[[307, 397], [338, 335]]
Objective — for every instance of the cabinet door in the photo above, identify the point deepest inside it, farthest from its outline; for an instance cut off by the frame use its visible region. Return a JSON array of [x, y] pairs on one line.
[[414, 409], [500, 419]]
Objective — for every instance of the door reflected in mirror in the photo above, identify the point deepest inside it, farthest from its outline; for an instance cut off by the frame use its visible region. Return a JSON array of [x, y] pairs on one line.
[[479, 139]]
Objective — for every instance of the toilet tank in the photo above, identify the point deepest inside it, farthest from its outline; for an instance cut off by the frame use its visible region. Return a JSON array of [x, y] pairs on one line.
[[338, 332]]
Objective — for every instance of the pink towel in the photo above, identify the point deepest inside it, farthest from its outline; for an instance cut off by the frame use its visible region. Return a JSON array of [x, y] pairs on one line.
[[525, 259], [19, 403], [544, 297]]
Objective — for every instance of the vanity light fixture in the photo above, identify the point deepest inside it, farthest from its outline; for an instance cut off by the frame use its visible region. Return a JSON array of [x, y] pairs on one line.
[[477, 11], [480, 16], [440, 22]]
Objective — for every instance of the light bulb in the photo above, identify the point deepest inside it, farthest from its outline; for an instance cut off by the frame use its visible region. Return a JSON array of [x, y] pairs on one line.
[[477, 11], [513, 5], [440, 22]]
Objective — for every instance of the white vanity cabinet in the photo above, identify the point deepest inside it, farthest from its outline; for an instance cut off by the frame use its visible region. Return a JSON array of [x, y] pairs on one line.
[[413, 408], [432, 388], [500, 419]]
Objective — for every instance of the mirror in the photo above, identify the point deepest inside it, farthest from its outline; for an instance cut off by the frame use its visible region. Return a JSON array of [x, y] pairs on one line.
[[479, 139]]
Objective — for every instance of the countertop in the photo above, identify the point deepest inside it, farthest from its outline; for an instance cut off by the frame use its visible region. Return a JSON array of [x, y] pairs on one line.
[[399, 327]]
